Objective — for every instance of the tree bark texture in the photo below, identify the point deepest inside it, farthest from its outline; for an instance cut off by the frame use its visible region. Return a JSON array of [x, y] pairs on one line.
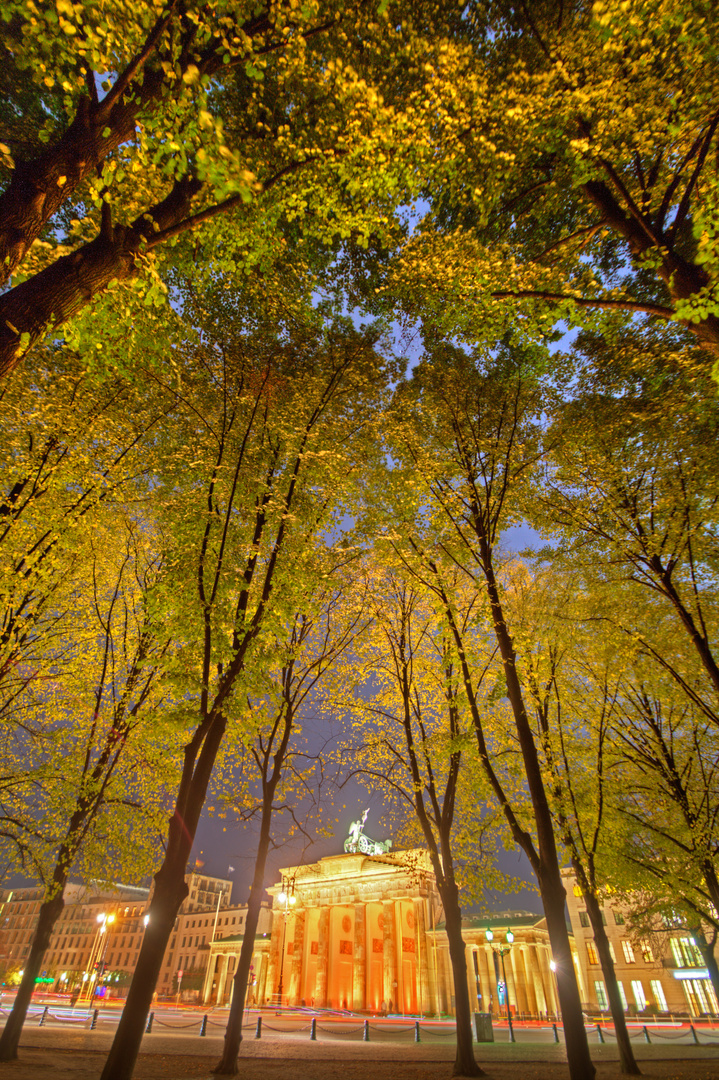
[[50, 298], [681, 278], [50, 911], [227, 1066], [38, 188], [464, 1061], [547, 866], [626, 1053], [170, 891]]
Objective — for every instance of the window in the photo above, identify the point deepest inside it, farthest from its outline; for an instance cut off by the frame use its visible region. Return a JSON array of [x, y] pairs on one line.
[[658, 992], [592, 953], [583, 918], [577, 890], [623, 996], [647, 954], [612, 952], [618, 918], [685, 952], [628, 951], [601, 993], [638, 991]]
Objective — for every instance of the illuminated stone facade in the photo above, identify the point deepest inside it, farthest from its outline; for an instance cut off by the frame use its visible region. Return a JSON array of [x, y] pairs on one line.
[[365, 933]]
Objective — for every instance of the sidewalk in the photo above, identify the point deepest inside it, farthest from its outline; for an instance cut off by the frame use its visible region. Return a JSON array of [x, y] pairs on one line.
[[74, 1055]]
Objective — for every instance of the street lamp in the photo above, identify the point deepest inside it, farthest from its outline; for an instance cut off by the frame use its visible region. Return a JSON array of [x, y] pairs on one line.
[[288, 899], [105, 921], [501, 951]]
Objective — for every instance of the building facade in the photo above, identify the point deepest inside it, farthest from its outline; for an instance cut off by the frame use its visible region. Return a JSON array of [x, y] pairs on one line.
[[366, 933], [664, 975], [106, 926]]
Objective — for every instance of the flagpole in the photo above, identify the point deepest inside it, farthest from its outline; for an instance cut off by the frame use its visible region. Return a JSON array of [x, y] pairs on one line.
[[217, 912]]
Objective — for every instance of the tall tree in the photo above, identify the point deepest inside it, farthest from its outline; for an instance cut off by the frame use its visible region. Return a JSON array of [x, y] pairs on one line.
[[277, 772], [670, 799], [407, 700], [270, 432], [96, 748], [467, 436], [573, 683]]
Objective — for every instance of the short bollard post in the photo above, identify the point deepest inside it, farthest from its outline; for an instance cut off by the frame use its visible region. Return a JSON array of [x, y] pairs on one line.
[[556, 1033], [95, 1015], [365, 1033], [44, 1014], [313, 1029], [694, 1034], [600, 1033], [416, 1031], [203, 1026], [645, 1029], [258, 1029], [150, 1019]]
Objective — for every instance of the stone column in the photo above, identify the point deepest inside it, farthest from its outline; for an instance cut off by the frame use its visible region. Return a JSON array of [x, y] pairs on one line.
[[261, 980], [448, 979], [207, 988], [514, 978], [433, 964], [528, 979], [273, 969], [389, 953], [471, 976], [323, 956], [423, 995], [221, 977], [298, 952], [359, 969], [547, 981]]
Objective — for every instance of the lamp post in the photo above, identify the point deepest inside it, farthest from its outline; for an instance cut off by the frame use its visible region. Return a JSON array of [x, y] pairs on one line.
[[502, 951], [288, 899], [105, 922]]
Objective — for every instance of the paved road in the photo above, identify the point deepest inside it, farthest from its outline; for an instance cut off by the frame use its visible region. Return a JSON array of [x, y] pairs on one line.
[[291, 1026]]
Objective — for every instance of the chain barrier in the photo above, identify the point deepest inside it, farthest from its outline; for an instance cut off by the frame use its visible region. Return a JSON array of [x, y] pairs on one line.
[[68, 1019], [287, 1031], [169, 1024], [709, 1034], [669, 1035], [342, 1031]]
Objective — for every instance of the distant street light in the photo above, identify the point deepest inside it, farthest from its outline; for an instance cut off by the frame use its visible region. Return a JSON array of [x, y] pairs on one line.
[[288, 899], [502, 952]]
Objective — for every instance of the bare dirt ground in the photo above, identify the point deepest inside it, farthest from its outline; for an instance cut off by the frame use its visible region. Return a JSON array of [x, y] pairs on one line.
[[57, 1064]]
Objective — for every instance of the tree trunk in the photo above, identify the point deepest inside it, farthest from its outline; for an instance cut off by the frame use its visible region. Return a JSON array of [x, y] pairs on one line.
[[464, 1062], [549, 874], [575, 1036], [698, 639], [626, 1053], [682, 279], [227, 1066], [50, 911], [48, 299], [170, 891]]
